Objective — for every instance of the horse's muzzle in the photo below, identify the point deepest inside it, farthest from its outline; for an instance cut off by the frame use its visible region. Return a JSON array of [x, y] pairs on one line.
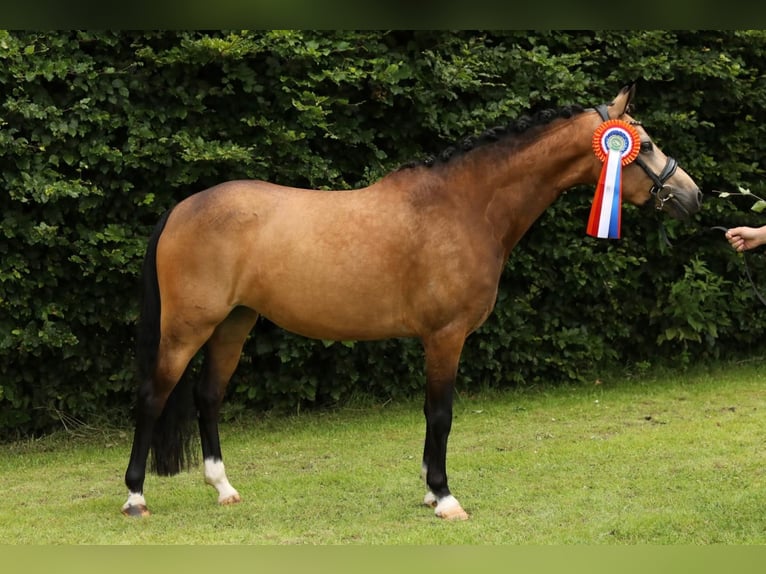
[[678, 203]]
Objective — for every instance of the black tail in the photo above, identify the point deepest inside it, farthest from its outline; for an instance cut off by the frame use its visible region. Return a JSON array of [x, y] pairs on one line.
[[173, 432], [148, 336]]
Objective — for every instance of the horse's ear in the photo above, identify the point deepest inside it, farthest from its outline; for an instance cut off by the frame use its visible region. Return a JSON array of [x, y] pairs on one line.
[[620, 104]]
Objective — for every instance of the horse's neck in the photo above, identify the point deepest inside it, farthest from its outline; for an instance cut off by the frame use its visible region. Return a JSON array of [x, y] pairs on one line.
[[520, 189]]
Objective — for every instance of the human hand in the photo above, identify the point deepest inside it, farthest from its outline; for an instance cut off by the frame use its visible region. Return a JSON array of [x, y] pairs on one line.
[[744, 238]]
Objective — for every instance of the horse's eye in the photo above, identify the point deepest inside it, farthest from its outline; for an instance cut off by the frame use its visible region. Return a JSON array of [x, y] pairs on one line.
[[646, 147]]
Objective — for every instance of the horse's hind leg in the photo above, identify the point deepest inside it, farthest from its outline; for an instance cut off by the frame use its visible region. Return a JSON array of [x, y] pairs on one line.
[[222, 354], [153, 396], [442, 357]]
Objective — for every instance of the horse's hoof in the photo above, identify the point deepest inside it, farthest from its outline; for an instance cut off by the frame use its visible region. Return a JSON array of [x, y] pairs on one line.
[[430, 499], [449, 509], [138, 510], [453, 514], [233, 499]]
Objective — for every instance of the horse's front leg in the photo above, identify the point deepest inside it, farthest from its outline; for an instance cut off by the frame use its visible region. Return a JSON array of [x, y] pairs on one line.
[[442, 357]]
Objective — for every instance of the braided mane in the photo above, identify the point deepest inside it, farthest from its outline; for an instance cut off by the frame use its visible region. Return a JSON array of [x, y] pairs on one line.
[[513, 131]]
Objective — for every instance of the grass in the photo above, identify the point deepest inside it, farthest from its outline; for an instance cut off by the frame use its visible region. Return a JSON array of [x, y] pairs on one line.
[[672, 459]]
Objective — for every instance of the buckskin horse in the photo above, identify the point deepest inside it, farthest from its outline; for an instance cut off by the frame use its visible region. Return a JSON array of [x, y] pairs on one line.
[[418, 253]]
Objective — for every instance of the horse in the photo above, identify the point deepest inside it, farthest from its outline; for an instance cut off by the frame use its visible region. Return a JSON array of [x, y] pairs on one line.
[[417, 254]]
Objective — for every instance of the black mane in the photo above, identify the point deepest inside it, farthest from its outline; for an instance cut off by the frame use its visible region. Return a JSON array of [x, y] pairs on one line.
[[508, 132]]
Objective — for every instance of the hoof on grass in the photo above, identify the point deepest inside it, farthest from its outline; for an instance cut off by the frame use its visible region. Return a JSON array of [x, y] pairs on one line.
[[453, 514], [139, 510], [233, 499], [449, 509]]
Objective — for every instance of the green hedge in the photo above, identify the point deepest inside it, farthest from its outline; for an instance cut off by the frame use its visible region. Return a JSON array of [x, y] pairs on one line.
[[100, 132]]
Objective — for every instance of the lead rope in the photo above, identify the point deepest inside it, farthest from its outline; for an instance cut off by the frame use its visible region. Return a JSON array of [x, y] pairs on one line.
[[761, 298], [666, 241]]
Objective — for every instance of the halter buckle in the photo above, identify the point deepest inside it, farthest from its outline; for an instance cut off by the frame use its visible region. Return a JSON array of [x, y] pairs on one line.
[[659, 199]]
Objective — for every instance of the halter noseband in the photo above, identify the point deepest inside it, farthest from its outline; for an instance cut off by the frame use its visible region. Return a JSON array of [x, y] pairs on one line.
[[658, 181]]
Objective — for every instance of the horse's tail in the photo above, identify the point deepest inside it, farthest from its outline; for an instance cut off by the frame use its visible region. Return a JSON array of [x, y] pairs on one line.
[[173, 431]]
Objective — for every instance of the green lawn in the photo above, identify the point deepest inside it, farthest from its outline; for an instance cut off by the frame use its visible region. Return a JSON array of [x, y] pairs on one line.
[[674, 459]]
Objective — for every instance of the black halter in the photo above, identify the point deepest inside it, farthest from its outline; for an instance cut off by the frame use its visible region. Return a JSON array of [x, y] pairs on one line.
[[658, 181]]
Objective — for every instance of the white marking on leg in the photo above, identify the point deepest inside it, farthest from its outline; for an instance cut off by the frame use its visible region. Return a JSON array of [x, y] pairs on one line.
[[445, 505], [215, 475], [135, 499], [430, 497]]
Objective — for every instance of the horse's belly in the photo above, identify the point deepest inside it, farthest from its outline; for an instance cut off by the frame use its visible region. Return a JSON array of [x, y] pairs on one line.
[[337, 323], [330, 310]]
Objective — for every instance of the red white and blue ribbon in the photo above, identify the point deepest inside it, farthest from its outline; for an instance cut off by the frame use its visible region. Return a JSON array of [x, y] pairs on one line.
[[616, 143]]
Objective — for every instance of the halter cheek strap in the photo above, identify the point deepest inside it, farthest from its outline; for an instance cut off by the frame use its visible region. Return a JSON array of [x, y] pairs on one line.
[[659, 180]]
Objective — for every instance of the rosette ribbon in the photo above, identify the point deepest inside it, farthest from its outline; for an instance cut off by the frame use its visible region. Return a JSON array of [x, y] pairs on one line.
[[616, 143]]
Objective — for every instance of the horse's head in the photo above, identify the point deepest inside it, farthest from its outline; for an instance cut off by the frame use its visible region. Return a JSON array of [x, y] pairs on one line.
[[652, 176]]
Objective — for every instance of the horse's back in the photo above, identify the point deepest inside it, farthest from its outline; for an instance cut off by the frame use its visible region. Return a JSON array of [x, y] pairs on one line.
[[327, 264], [343, 265]]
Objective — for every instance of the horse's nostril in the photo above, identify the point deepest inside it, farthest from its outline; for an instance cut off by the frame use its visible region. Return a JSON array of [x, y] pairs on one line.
[[699, 196]]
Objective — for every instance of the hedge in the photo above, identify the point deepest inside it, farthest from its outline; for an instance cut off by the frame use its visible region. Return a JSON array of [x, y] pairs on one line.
[[101, 132]]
